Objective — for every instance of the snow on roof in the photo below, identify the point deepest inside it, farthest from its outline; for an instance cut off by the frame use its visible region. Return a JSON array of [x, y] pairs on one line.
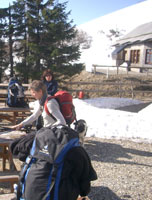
[[139, 34]]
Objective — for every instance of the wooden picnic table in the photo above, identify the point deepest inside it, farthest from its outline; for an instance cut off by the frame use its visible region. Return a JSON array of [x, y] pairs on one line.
[[13, 113], [6, 138], [7, 196]]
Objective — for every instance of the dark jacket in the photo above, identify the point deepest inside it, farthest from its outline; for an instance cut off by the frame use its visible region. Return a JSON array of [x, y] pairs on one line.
[[52, 87], [77, 175], [21, 147]]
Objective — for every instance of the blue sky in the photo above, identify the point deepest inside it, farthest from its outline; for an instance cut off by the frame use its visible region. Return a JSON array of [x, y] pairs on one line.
[[85, 10]]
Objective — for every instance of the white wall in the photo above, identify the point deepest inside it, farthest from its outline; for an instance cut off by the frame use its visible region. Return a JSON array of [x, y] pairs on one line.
[[125, 19]]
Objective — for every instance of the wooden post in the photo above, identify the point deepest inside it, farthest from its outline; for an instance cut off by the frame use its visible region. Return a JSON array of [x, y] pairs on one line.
[[107, 72], [117, 69], [132, 91], [94, 69]]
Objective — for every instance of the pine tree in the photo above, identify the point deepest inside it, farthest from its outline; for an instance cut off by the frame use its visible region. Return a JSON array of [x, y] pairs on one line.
[[39, 36], [10, 39], [49, 36], [57, 36], [3, 47], [21, 39]]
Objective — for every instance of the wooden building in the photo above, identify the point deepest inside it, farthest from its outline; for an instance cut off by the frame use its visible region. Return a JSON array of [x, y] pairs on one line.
[[135, 49]]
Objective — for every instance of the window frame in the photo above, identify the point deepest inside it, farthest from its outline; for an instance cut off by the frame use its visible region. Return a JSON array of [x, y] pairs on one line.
[[135, 56], [148, 56]]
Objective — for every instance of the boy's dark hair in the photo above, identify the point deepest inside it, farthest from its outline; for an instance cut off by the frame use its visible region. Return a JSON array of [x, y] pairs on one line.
[[47, 72]]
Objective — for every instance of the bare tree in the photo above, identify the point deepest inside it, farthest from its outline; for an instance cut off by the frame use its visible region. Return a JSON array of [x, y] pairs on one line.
[[82, 39]]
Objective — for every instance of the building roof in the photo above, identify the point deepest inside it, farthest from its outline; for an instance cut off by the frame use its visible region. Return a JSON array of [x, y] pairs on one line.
[[139, 34]]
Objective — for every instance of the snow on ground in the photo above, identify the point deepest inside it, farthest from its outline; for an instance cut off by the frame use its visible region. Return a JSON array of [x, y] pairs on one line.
[[105, 122]]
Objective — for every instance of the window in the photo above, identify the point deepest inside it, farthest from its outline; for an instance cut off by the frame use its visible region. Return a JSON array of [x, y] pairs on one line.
[[135, 56], [125, 55], [148, 56]]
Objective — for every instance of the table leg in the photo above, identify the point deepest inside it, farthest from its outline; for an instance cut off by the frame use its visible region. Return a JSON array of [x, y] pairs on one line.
[[5, 154], [15, 117], [11, 162]]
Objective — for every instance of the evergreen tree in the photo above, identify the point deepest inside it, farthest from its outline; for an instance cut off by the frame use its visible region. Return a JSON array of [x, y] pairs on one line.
[[10, 36], [3, 47], [35, 28], [39, 36], [21, 39], [58, 51], [49, 36]]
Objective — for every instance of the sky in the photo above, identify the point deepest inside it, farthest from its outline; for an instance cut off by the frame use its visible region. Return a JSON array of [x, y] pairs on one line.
[[104, 121], [83, 11]]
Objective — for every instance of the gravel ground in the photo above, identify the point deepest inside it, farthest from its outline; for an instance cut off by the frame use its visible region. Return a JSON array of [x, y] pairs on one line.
[[123, 168]]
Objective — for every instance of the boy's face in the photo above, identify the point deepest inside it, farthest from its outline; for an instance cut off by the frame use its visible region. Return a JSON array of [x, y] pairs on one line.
[[37, 95], [48, 77]]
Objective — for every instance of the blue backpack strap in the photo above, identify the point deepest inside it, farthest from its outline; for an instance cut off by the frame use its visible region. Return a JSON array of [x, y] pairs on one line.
[[24, 173], [56, 171]]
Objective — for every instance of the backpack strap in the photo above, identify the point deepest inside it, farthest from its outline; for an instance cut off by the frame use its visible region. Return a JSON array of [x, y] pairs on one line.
[[45, 104], [53, 178], [29, 159], [21, 178], [46, 108]]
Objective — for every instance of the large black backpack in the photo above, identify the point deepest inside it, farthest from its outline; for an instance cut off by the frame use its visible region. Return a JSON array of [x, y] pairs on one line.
[[15, 96], [58, 168]]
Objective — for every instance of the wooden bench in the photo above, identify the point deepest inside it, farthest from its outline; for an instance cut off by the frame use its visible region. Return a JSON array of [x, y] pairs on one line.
[[12, 179], [13, 113], [4, 94]]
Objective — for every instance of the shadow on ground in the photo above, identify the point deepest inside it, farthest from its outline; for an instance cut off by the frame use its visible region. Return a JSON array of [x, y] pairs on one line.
[[114, 153], [134, 108], [104, 193]]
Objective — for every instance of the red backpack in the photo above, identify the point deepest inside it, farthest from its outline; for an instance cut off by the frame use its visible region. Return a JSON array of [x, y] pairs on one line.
[[65, 101]]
